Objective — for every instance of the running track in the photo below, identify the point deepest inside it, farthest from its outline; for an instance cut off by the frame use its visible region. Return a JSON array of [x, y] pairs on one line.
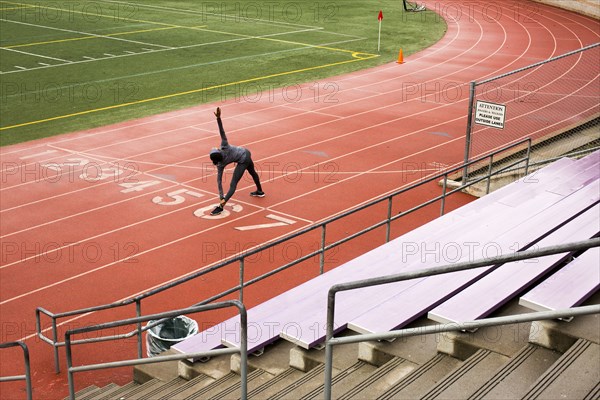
[[78, 231]]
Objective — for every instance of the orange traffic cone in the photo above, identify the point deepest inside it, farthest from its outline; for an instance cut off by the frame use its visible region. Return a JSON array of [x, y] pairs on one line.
[[400, 57]]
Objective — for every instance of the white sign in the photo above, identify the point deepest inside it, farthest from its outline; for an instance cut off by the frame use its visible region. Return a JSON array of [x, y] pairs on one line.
[[490, 114]]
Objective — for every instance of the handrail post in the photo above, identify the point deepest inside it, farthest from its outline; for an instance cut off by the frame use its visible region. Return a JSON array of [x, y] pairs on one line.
[[138, 313], [243, 350], [468, 133], [322, 256], [242, 280], [69, 366], [489, 180], [444, 185], [389, 220], [27, 370], [328, 347], [55, 346]]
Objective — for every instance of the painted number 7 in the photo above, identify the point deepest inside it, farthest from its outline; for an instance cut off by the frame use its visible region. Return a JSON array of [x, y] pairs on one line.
[[176, 196]]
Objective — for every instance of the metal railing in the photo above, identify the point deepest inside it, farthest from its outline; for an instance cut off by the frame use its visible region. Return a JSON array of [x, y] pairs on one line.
[[331, 341], [323, 247], [242, 350], [27, 376]]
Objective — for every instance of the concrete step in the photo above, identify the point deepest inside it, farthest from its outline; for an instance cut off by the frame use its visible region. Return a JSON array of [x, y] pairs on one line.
[[517, 376], [575, 375], [164, 388], [85, 391], [226, 387], [418, 382], [98, 392], [275, 384], [255, 378], [469, 376], [380, 380], [301, 386], [138, 391], [188, 387], [342, 380], [106, 392]]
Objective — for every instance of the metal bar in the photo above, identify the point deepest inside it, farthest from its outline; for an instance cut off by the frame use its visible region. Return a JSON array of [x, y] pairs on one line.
[[155, 359], [521, 255], [470, 325], [388, 230], [322, 255], [443, 205], [55, 340], [138, 313], [242, 280], [489, 180], [26, 364], [468, 133]]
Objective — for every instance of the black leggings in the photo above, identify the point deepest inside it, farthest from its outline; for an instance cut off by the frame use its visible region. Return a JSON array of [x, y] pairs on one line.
[[238, 172]]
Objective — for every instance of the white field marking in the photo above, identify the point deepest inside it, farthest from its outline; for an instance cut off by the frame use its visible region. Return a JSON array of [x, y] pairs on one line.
[[441, 144], [303, 47], [21, 68], [35, 55], [187, 12], [168, 70], [86, 33]]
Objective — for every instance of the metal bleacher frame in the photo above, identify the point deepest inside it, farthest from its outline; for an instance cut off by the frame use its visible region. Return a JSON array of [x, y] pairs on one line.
[[443, 177]]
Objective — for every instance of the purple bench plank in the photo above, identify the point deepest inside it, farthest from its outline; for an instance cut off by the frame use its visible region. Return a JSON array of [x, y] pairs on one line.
[[409, 305], [569, 287], [496, 288], [496, 223]]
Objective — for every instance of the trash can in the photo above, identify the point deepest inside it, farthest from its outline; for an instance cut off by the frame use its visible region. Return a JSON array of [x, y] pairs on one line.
[[161, 337]]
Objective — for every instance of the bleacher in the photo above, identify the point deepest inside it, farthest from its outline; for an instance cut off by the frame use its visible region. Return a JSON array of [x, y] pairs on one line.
[[554, 359]]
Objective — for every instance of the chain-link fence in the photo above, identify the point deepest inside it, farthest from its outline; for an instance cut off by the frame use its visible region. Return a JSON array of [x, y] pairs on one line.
[[556, 103]]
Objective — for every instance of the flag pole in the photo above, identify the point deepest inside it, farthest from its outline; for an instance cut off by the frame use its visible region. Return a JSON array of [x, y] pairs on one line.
[[380, 18]]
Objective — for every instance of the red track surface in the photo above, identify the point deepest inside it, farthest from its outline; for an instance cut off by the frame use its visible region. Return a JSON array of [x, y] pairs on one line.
[[72, 240]]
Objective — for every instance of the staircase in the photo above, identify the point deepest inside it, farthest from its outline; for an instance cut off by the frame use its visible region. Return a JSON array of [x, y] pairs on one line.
[[544, 360]]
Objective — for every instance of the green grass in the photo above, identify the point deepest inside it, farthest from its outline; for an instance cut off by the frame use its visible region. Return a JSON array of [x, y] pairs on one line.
[[110, 61]]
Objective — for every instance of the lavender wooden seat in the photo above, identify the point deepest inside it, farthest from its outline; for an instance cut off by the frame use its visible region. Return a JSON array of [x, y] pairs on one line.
[[410, 304], [569, 287], [498, 287], [377, 309]]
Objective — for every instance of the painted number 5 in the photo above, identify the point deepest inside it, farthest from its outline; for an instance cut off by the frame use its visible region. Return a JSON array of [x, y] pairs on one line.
[[176, 196]]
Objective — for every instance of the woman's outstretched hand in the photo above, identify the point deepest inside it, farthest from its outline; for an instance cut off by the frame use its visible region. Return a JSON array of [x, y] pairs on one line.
[[218, 112]]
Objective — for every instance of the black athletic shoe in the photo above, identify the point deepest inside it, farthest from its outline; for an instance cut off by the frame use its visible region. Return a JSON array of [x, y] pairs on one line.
[[258, 193], [218, 210]]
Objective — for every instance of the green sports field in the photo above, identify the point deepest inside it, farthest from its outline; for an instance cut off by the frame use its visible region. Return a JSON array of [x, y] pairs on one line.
[[71, 65]]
